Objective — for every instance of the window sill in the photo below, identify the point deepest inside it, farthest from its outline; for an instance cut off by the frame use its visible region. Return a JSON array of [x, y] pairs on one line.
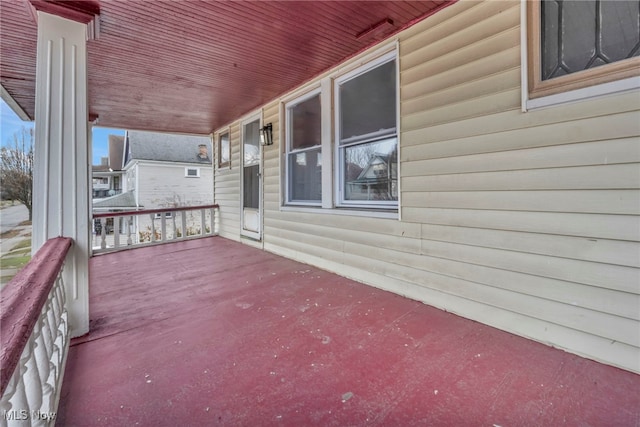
[[583, 94], [369, 213]]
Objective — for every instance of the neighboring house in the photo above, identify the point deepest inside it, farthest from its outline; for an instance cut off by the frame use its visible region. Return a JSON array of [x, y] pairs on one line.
[[108, 184], [107, 177], [168, 170], [428, 166], [158, 170], [377, 181]]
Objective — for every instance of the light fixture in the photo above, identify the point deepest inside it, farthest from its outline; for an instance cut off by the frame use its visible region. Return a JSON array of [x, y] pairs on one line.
[[266, 134]]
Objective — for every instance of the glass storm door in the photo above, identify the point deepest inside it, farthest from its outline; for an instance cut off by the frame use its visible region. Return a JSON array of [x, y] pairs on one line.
[[250, 208]]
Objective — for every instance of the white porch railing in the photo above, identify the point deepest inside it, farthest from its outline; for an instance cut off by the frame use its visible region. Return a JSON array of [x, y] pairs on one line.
[[123, 230], [34, 338]]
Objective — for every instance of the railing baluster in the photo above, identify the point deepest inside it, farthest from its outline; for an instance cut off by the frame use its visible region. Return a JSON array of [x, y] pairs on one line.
[[214, 221], [175, 232], [32, 381], [44, 352], [183, 218], [14, 400], [103, 233], [128, 221], [202, 222], [153, 228], [116, 232], [163, 227]]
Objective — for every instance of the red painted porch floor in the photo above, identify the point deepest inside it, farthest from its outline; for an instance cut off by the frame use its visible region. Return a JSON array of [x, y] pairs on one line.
[[212, 332]]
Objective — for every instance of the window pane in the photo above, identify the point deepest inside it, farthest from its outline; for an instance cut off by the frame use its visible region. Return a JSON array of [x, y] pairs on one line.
[[305, 124], [251, 185], [368, 102], [371, 171], [621, 23], [305, 176], [579, 35], [252, 143], [224, 150]]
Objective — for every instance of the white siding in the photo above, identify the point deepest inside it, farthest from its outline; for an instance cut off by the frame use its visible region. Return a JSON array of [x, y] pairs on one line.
[[165, 185], [227, 188], [524, 221]]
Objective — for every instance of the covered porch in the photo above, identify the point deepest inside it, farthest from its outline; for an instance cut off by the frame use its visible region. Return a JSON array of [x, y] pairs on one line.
[[214, 332], [521, 215]]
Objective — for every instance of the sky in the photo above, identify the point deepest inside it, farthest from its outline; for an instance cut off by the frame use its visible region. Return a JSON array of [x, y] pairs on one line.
[[11, 124]]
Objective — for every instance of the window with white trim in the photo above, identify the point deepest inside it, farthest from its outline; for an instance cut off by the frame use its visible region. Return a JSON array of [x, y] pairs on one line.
[[577, 44], [224, 150], [304, 150], [192, 172], [366, 106]]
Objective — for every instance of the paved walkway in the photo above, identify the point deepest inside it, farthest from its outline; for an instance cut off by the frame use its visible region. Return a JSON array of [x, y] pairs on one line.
[[24, 232], [10, 218]]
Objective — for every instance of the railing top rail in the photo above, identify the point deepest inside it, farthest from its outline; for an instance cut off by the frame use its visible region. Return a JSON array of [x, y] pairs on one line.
[[22, 299], [153, 211]]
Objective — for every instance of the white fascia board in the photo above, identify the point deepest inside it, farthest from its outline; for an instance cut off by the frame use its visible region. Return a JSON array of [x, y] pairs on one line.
[[13, 104]]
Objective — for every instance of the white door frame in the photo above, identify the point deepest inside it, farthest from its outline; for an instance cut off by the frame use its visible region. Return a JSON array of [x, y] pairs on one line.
[[245, 228]]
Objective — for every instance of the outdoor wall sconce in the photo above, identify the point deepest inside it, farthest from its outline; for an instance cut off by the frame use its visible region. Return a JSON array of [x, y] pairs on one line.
[[266, 134]]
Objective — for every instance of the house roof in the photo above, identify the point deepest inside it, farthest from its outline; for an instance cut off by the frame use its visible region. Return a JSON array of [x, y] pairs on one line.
[[100, 168], [167, 147], [121, 201], [193, 67]]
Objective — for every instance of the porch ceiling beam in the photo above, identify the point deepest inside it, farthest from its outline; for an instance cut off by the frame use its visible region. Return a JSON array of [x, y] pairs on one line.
[[80, 11]]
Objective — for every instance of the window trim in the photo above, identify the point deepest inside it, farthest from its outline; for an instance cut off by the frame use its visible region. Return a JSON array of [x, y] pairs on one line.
[[338, 166], [222, 164], [537, 88], [187, 169], [158, 215], [288, 151]]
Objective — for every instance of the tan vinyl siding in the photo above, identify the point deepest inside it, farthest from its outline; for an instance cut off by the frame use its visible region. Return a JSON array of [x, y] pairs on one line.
[[271, 161], [476, 171], [528, 222], [227, 188]]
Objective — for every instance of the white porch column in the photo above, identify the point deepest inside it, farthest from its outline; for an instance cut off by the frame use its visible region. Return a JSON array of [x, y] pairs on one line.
[[61, 173]]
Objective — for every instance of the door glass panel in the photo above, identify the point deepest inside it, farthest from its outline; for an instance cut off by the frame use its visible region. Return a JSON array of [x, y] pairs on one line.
[[252, 143], [251, 186], [251, 177]]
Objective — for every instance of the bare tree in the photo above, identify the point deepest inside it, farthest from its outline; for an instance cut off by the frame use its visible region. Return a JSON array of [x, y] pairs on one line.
[[16, 168]]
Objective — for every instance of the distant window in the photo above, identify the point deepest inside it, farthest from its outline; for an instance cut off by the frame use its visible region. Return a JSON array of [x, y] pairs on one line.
[[224, 150], [304, 151], [192, 172], [576, 44], [166, 215]]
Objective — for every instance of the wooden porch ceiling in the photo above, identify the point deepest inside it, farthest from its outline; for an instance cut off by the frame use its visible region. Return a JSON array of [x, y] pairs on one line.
[[194, 66]]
